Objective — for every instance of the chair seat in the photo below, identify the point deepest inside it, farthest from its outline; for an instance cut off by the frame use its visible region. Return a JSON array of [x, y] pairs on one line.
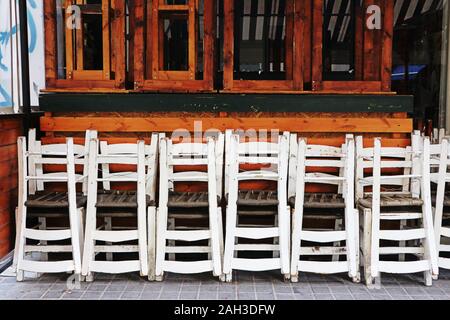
[[52, 199], [392, 200], [257, 198], [189, 200], [321, 201], [120, 199]]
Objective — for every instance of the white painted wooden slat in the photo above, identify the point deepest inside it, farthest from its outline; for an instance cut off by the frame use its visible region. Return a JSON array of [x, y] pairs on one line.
[[444, 263], [400, 215], [187, 162], [48, 235], [322, 267], [318, 251], [188, 235], [401, 250], [325, 163], [257, 175], [48, 248], [188, 176], [323, 236], [402, 267], [257, 233], [445, 232], [258, 160], [324, 151], [188, 267], [402, 235], [115, 236], [115, 267], [116, 248], [190, 149], [187, 249], [257, 247], [444, 247], [46, 266], [256, 264], [258, 148]]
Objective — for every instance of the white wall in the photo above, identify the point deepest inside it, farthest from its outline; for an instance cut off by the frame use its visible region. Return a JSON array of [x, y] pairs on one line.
[[10, 53]]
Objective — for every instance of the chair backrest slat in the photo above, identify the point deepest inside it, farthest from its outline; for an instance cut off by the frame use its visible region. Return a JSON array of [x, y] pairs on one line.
[[314, 159]]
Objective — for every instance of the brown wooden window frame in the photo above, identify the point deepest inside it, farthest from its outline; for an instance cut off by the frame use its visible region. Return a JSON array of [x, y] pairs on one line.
[[373, 52], [294, 53], [113, 74], [148, 75]]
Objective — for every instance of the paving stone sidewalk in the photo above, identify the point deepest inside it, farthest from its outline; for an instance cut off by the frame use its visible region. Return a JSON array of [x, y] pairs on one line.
[[246, 285]]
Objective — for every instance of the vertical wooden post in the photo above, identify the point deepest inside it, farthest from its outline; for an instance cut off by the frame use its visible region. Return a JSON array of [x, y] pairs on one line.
[[317, 45], [386, 42], [228, 44]]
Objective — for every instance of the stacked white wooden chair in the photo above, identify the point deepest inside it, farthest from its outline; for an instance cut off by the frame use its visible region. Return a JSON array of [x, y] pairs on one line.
[[440, 176], [337, 206], [136, 164], [37, 200], [196, 207], [273, 157], [400, 182]]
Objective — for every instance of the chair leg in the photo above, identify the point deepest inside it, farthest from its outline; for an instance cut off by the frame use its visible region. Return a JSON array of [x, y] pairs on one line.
[[296, 244], [428, 279], [337, 227], [276, 240], [229, 241], [76, 243], [43, 226], [161, 223], [22, 212], [89, 244], [142, 240], [403, 224], [367, 252], [214, 241], [108, 226], [151, 243], [171, 226], [221, 240], [284, 232]]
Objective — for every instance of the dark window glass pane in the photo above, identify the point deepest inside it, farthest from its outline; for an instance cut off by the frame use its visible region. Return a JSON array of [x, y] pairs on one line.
[[260, 39], [176, 39], [92, 42], [339, 18], [174, 2]]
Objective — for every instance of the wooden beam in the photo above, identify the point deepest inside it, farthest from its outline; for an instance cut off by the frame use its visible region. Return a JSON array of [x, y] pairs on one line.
[[294, 124]]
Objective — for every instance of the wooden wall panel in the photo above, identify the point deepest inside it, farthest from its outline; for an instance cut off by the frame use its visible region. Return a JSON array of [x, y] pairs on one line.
[[10, 129]]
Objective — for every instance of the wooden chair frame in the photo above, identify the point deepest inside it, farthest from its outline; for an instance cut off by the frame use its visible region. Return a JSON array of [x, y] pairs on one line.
[[440, 158], [342, 159], [148, 47], [373, 52], [29, 182], [145, 160], [113, 74], [415, 182], [35, 168], [190, 154], [260, 152]]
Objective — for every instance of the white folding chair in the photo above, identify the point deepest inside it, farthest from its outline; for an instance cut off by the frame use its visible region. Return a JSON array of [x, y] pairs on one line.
[[400, 182], [241, 204], [440, 160], [306, 166], [136, 163], [36, 200], [193, 206], [36, 168]]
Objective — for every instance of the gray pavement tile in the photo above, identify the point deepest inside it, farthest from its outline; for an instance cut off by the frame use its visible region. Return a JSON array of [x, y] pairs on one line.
[[111, 295]]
